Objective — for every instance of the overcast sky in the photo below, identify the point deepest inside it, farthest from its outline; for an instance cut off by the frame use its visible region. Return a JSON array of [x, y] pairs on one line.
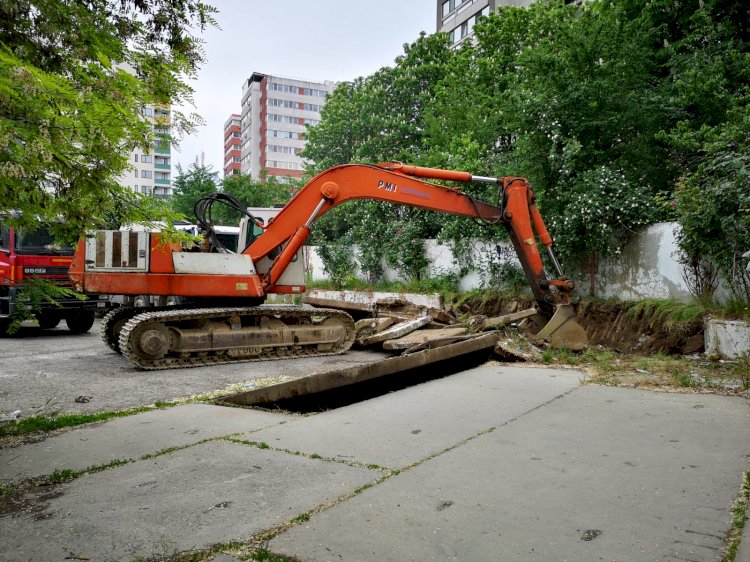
[[308, 39]]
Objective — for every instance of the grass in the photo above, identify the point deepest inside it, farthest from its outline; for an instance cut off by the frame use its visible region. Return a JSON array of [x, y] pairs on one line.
[[446, 285], [656, 371], [739, 518], [43, 424]]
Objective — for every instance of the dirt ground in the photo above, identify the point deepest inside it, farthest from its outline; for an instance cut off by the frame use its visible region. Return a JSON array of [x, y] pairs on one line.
[[615, 325]]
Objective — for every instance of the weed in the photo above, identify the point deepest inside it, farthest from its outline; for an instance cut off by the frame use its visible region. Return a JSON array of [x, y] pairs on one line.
[[684, 380], [62, 475], [301, 518], [113, 464], [739, 517], [262, 555], [34, 424], [736, 309], [8, 489]]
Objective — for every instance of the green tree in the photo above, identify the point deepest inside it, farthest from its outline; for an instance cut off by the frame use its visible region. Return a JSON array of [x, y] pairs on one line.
[[69, 109], [199, 180], [709, 68]]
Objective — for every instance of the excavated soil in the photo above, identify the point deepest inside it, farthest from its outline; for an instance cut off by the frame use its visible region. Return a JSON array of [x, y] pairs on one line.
[[616, 325]]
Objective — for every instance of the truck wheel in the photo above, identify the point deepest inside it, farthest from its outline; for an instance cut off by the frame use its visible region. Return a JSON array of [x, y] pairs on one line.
[[48, 321], [80, 322]]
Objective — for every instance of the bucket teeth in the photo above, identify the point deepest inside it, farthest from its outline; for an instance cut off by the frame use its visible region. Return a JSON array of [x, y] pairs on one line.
[[563, 331]]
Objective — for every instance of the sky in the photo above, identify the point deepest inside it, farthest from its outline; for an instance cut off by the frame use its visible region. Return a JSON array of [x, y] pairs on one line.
[[313, 40]]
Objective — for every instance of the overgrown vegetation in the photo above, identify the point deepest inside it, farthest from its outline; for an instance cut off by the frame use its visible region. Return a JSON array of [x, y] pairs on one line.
[[621, 113], [739, 519], [655, 371]]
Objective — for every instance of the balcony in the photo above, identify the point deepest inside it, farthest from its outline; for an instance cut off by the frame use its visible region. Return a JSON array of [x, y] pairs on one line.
[[163, 166], [159, 181], [163, 149]]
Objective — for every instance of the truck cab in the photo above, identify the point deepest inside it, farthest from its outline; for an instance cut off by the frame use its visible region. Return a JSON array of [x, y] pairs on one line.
[[26, 255]]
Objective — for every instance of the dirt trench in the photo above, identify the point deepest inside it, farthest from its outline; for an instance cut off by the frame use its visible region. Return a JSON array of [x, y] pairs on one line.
[[617, 325]]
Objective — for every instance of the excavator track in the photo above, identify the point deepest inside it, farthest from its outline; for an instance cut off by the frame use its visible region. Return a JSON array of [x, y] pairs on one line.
[[171, 339], [112, 323]]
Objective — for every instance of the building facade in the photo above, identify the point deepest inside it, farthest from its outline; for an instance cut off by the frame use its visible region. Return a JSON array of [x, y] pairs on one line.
[[273, 120], [232, 146], [458, 17], [151, 172]]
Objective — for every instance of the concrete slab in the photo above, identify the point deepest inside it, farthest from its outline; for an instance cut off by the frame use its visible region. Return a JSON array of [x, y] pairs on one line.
[[191, 499], [131, 437], [402, 428], [319, 382], [600, 474]]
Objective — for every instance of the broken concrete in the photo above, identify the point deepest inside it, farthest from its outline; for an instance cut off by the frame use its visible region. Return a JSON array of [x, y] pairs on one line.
[[370, 298], [396, 331], [369, 326], [424, 336], [728, 339], [490, 323]]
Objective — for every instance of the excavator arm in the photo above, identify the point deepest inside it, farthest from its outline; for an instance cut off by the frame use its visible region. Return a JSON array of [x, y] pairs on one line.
[[405, 185]]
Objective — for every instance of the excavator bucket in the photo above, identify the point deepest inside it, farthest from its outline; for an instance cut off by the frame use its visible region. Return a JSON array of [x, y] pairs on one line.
[[562, 330]]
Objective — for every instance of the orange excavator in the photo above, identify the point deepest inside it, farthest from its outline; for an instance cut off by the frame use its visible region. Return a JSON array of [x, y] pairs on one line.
[[223, 320]]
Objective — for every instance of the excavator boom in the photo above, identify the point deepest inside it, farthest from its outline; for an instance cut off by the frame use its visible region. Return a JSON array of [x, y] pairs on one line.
[[111, 262]]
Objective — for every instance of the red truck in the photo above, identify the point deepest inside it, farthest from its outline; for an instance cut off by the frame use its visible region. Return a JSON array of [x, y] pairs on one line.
[[25, 255]]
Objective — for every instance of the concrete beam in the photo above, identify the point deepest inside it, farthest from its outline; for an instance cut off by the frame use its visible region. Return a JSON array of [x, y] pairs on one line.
[[359, 373]]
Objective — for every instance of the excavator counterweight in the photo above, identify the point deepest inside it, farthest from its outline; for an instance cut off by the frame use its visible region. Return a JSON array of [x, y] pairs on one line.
[[220, 320]]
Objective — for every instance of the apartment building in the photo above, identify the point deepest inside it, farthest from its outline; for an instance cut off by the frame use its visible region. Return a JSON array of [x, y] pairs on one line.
[[232, 146], [273, 120], [458, 17], [151, 171]]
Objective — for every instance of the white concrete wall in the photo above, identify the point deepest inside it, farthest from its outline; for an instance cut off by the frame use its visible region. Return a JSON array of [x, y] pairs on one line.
[[727, 338], [646, 268]]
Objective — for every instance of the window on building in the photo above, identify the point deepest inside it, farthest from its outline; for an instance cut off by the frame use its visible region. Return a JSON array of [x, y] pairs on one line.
[[146, 189], [146, 159], [135, 157], [135, 172], [446, 7], [147, 174]]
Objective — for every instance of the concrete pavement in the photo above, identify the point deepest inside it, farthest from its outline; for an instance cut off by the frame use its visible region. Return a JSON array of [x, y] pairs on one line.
[[495, 463]]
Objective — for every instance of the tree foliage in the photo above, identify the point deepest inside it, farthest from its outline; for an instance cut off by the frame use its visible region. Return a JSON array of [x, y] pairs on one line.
[[74, 76], [609, 107], [200, 180]]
